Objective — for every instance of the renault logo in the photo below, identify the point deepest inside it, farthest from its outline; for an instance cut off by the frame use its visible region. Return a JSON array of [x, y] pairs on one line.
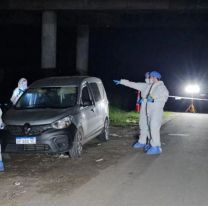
[[26, 128]]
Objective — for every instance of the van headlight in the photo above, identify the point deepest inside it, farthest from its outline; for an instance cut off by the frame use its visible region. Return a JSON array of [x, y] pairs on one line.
[[62, 123]]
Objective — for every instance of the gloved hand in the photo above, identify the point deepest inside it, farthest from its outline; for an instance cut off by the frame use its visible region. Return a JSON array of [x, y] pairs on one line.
[[150, 99], [139, 101], [2, 125], [117, 82]]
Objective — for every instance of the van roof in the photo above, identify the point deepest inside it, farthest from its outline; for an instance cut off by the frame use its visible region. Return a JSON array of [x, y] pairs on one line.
[[63, 81]]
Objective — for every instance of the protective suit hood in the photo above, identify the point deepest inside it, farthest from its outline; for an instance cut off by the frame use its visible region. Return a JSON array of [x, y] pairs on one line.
[[22, 84]]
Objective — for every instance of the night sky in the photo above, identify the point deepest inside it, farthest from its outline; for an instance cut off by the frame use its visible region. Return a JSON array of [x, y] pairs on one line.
[[180, 56], [178, 51]]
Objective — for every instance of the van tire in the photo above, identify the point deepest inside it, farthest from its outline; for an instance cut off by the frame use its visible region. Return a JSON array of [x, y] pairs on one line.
[[76, 149], [104, 136]]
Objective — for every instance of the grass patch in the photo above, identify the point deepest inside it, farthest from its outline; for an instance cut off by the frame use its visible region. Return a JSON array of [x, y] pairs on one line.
[[119, 117], [167, 114]]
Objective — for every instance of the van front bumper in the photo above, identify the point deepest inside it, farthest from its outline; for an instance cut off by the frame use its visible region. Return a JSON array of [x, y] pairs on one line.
[[49, 141]]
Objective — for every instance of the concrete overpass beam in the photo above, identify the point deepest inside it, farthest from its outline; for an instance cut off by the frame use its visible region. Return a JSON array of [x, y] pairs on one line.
[[82, 53]]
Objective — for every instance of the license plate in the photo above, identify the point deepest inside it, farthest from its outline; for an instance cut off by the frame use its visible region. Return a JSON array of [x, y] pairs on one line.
[[25, 140]]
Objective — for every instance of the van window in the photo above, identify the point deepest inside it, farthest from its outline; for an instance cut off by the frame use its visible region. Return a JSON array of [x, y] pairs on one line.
[[85, 95], [48, 97], [95, 91], [102, 90]]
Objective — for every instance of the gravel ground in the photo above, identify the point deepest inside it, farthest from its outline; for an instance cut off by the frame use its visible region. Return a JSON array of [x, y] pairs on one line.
[[55, 174]]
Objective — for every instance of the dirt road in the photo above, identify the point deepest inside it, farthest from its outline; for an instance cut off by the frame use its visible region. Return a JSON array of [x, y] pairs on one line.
[[28, 174]]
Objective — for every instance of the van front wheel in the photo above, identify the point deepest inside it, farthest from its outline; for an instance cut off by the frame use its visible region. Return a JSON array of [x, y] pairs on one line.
[[104, 136], [76, 148]]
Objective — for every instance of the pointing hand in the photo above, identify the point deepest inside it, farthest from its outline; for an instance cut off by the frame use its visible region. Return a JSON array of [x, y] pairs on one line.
[[150, 99], [117, 82]]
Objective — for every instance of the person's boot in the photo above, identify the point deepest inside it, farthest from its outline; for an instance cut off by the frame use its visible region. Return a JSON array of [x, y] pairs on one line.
[[138, 145], [146, 147], [1, 166], [154, 150]]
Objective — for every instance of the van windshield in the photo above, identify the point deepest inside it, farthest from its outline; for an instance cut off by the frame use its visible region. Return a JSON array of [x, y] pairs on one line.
[[48, 97]]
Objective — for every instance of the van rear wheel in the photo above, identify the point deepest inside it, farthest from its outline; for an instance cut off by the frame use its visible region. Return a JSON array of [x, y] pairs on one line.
[[76, 149], [104, 136]]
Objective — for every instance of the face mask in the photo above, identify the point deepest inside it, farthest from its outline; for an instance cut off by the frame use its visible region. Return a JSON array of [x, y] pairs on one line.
[[151, 81], [23, 86], [147, 80]]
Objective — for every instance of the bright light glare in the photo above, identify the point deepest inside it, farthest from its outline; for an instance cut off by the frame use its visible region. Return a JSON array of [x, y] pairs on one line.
[[193, 89]]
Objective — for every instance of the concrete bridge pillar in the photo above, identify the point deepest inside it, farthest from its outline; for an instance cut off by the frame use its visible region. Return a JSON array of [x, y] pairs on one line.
[[48, 38], [82, 50]]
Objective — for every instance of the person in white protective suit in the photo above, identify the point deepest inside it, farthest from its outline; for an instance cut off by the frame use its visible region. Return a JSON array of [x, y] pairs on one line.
[[142, 116], [17, 93], [154, 96], [1, 127], [1, 122]]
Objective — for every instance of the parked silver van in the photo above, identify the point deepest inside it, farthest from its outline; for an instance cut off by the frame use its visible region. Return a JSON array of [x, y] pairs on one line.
[[57, 115]]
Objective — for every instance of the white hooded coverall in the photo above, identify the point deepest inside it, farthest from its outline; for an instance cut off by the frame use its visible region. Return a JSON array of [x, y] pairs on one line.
[[154, 114], [1, 127], [1, 122], [17, 93]]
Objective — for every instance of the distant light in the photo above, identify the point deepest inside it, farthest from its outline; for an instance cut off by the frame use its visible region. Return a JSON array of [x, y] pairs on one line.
[[193, 89]]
